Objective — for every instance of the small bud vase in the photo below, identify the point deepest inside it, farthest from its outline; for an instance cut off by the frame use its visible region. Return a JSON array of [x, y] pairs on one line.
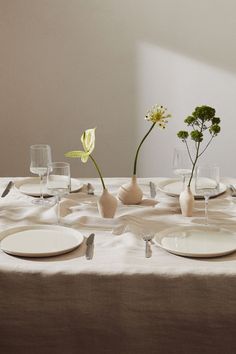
[[130, 193], [186, 201], [107, 204]]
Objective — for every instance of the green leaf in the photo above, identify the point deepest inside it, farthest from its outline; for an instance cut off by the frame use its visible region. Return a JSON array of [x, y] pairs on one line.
[[75, 154]]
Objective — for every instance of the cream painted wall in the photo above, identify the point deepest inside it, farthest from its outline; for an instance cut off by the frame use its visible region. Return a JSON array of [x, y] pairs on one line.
[[67, 65]]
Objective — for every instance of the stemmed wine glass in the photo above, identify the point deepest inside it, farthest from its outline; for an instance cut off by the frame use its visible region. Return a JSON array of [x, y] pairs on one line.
[[207, 183], [181, 164], [58, 182], [40, 157]]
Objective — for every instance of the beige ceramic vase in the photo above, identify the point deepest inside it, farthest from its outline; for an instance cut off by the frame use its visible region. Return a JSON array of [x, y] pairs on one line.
[[186, 201], [107, 204], [130, 193]]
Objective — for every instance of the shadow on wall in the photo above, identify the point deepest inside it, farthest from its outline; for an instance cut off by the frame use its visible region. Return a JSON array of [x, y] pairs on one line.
[[203, 30], [68, 66], [185, 57], [183, 83]]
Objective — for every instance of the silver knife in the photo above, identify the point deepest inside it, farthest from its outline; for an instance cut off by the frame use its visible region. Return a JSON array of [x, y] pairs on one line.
[[90, 247], [152, 189], [7, 189]]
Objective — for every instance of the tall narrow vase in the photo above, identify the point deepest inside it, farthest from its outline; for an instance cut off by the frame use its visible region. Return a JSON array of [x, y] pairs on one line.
[[186, 201], [107, 204], [130, 193]]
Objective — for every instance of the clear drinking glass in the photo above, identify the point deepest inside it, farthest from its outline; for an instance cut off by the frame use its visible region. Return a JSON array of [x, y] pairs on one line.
[[40, 157], [58, 182], [207, 183], [181, 164]]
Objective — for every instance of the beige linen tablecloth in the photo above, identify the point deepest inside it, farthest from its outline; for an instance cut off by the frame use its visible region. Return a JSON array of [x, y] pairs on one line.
[[119, 302]]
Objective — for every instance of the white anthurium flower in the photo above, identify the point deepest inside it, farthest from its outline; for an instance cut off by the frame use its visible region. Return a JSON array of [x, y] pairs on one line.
[[88, 141]]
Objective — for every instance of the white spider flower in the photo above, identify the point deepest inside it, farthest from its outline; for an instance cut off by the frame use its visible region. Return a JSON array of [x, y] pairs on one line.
[[158, 114]]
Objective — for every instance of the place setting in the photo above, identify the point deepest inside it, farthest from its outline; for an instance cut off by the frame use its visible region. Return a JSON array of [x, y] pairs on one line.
[[47, 190]]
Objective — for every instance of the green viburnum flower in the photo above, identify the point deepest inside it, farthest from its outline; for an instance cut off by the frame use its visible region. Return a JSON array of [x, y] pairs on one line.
[[190, 120], [88, 142], [204, 113], [197, 136], [215, 120], [182, 134], [202, 120], [214, 129], [158, 116]]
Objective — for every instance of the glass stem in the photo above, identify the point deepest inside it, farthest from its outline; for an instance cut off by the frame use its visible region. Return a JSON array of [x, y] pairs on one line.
[[58, 209], [183, 181], [206, 209], [41, 187]]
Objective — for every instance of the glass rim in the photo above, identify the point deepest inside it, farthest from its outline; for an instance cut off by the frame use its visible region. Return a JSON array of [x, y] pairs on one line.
[[59, 164], [39, 146]]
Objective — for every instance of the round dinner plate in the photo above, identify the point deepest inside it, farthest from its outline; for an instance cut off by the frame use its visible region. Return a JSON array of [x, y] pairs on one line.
[[197, 241], [31, 186], [39, 240], [173, 188]]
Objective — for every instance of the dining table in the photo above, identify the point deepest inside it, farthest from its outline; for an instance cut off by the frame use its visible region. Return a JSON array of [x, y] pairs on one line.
[[120, 301]]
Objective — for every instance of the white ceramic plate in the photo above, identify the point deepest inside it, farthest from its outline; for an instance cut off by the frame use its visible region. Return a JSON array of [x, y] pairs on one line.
[[197, 241], [173, 187], [30, 186], [40, 240]]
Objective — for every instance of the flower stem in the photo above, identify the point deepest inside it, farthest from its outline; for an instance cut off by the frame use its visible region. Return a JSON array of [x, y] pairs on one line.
[[194, 164], [206, 146], [98, 170], [142, 141], [188, 151]]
